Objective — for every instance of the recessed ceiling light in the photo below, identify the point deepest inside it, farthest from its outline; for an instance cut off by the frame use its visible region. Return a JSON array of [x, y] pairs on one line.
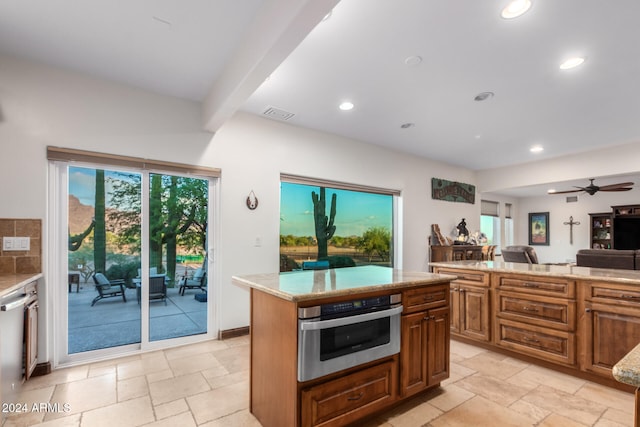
[[572, 63], [346, 106], [515, 9], [412, 61], [536, 149], [327, 16], [483, 96], [551, 190]]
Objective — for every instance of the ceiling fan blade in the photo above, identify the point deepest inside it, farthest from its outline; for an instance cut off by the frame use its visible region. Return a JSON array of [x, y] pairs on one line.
[[614, 186], [616, 189], [568, 191]]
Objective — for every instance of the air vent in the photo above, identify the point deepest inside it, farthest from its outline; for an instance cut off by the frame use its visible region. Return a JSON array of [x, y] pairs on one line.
[[572, 199], [276, 113]]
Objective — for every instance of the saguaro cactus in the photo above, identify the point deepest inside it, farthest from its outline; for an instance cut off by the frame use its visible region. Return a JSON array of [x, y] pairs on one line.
[[324, 224]]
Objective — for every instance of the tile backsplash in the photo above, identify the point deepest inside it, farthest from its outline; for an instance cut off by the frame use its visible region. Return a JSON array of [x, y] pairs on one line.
[[18, 262]]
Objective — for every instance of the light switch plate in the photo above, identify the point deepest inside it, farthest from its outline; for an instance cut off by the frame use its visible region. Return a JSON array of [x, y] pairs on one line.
[[16, 243]]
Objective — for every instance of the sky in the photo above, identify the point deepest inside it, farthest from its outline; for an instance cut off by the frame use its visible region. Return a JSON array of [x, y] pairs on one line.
[[82, 184], [355, 211]]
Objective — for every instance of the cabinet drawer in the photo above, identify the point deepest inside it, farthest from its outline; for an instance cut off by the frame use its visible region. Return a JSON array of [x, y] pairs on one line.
[[612, 293], [546, 344], [537, 310], [538, 285], [468, 277], [424, 298], [346, 399]]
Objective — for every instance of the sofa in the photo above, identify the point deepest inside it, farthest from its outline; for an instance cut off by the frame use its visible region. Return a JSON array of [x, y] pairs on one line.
[[609, 258], [520, 253]]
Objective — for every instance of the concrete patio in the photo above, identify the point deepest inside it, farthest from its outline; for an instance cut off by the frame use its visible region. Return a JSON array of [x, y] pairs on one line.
[[112, 322]]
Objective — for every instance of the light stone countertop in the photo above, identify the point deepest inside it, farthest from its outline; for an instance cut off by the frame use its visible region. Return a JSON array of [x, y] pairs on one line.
[[627, 370], [12, 282], [308, 285], [568, 271]]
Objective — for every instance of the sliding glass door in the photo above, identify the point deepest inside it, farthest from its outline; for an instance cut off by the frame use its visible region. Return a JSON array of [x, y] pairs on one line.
[[137, 262]]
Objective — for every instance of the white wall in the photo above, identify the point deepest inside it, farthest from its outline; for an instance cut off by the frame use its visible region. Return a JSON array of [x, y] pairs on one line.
[[560, 248], [42, 106]]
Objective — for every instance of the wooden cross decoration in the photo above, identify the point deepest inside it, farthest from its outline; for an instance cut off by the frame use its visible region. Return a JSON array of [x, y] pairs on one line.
[[571, 223]]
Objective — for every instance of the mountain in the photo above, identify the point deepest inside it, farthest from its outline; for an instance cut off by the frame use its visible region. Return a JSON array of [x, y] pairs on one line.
[[80, 215]]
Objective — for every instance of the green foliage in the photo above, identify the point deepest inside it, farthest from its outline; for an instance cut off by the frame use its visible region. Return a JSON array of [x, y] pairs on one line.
[[376, 241], [126, 270], [325, 228], [99, 229]]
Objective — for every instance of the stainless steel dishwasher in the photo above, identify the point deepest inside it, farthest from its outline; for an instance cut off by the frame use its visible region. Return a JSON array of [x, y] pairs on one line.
[[18, 317]]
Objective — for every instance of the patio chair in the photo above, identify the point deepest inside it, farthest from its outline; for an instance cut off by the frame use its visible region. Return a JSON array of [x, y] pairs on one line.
[[108, 288], [157, 289], [198, 281]]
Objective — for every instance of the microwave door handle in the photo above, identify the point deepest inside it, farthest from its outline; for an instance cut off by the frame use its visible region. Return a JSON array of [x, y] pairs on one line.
[[342, 321]]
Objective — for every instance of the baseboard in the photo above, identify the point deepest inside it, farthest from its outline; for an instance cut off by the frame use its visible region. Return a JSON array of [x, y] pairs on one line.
[[232, 333], [41, 369]]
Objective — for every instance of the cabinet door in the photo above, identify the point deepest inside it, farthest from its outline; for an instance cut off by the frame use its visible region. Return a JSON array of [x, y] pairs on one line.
[[610, 333], [474, 312], [438, 346], [413, 360]]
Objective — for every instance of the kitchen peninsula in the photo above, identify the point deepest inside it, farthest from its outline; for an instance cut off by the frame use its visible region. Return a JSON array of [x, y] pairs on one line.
[[290, 354], [578, 320]]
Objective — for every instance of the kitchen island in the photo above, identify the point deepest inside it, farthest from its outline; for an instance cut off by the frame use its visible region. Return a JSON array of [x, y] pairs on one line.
[[578, 320], [280, 397]]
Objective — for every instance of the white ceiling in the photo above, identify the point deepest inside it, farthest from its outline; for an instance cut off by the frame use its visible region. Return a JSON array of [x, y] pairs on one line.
[[255, 54]]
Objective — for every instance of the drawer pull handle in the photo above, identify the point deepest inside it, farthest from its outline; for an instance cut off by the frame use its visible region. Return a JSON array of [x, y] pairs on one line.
[[428, 298], [587, 310], [525, 308], [530, 339], [626, 296], [531, 285], [358, 397]]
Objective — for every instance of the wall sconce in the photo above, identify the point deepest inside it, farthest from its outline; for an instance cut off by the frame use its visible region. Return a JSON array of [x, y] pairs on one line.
[[252, 201]]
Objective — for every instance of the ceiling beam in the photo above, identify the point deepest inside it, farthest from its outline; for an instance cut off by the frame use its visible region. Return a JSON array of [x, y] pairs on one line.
[[277, 30]]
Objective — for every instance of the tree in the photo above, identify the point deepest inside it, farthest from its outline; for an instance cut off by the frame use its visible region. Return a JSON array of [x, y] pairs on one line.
[[178, 212], [376, 240], [76, 240], [323, 223], [99, 229]]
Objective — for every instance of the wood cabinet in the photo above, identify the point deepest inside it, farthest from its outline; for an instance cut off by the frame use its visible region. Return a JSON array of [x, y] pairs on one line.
[[610, 320], [470, 297], [601, 230], [424, 356], [277, 398], [536, 316], [349, 398]]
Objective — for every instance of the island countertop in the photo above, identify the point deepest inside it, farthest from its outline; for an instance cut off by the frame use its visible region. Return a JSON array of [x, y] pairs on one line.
[[11, 282], [551, 270], [307, 285]]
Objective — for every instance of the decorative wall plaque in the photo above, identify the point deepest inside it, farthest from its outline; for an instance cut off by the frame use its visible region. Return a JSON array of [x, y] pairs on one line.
[[452, 191]]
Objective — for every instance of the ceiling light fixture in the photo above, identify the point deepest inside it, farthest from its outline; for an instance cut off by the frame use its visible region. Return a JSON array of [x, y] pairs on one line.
[[412, 61], [346, 106], [572, 63], [483, 96], [515, 9], [536, 149]]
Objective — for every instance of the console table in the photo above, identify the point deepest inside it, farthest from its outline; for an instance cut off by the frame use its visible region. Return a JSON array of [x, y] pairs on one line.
[[456, 253]]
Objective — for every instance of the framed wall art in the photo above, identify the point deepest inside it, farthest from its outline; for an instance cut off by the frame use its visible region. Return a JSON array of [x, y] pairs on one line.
[[539, 228]]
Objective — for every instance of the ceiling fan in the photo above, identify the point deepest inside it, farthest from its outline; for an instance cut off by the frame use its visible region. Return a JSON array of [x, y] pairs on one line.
[[592, 189]]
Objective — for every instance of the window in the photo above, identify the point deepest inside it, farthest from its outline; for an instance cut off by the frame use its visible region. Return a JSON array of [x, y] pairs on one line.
[[508, 225], [339, 224], [490, 222]]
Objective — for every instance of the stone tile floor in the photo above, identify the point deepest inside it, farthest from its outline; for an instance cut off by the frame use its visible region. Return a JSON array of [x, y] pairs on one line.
[[207, 384]]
